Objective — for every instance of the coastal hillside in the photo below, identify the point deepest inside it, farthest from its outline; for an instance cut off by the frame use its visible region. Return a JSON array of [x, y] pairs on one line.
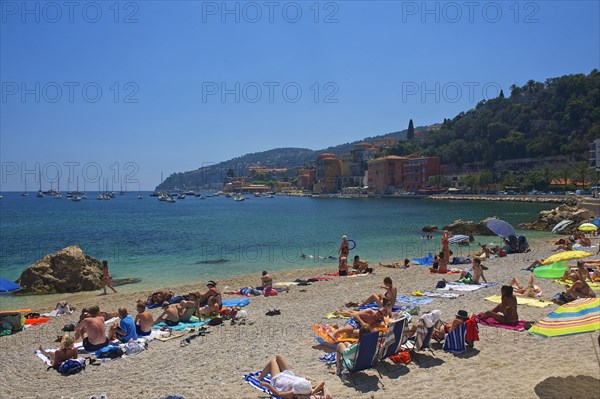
[[555, 119]]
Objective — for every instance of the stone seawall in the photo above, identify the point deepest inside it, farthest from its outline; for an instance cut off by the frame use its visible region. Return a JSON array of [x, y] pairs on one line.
[[542, 199]]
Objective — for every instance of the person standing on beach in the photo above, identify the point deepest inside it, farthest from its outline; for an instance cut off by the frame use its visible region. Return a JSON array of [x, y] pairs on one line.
[[266, 280], [344, 250], [445, 243], [343, 266], [106, 278]]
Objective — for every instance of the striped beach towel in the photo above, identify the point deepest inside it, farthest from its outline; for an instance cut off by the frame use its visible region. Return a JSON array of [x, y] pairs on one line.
[[454, 341], [252, 379]]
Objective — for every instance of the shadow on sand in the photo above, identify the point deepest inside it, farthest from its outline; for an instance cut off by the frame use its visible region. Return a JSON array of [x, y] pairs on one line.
[[581, 386]]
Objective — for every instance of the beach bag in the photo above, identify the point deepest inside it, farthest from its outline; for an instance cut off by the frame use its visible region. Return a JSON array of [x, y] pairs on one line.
[[133, 348], [215, 322], [72, 366], [109, 352], [523, 244], [68, 327], [270, 291], [401, 357]]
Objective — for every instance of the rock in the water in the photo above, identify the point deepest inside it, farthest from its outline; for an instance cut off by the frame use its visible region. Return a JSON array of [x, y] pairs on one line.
[[548, 219], [68, 270], [469, 228], [429, 229]]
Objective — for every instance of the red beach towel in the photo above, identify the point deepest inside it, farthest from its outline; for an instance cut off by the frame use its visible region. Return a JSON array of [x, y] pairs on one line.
[[490, 322]]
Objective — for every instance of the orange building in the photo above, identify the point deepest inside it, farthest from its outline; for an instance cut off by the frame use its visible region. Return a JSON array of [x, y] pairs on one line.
[[306, 178], [328, 169], [393, 173]]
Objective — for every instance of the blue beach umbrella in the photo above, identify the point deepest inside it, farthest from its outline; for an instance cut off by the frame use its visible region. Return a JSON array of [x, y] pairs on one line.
[[501, 228], [8, 286]]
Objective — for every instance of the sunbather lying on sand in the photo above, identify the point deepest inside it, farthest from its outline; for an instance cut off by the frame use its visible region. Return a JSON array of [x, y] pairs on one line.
[[368, 317], [404, 265], [159, 297], [287, 385], [529, 289]]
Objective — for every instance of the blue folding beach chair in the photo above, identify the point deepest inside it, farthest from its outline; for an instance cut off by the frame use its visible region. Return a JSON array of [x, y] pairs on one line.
[[364, 357], [392, 340], [454, 341]]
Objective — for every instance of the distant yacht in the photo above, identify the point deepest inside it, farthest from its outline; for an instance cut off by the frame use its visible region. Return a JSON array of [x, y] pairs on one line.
[[140, 196], [239, 197], [76, 198], [40, 194]]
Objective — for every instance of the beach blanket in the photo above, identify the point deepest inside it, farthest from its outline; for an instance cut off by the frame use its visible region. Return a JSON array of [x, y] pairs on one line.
[[285, 283], [594, 286], [465, 287], [43, 357], [175, 299], [490, 322], [375, 306], [424, 261], [193, 323], [240, 302], [172, 336], [413, 300], [448, 295], [252, 380], [450, 271], [522, 300]]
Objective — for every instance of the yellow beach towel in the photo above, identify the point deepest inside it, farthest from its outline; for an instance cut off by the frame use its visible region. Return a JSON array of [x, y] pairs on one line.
[[522, 300], [594, 286], [335, 316]]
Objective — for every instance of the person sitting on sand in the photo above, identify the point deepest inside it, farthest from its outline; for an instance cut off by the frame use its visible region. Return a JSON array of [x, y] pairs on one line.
[[403, 265], [266, 280], [143, 320], [285, 384], [390, 293], [579, 289], [529, 290], [126, 328], [211, 309], [534, 264], [584, 241], [368, 317], [566, 246], [580, 270], [506, 311], [360, 266], [343, 266], [212, 291], [442, 267], [596, 274], [159, 297], [348, 351], [430, 320], [91, 329], [67, 351], [170, 315], [106, 278], [468, 278], [188, 308]]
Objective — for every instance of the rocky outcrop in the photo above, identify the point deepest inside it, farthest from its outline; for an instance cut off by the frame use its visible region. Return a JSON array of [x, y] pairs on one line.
[[548, 219], [540, 199], [68, 270], [430, 229], [469, 228]]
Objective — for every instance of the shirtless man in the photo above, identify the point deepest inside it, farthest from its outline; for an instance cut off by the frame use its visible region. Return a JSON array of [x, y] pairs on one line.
[[266, 280], [91, 329], [369, 317], [212, 291], [143, 320], [170, 315], [188, 308], [580, 289], [159, 297], [506, 311], [211, 309]]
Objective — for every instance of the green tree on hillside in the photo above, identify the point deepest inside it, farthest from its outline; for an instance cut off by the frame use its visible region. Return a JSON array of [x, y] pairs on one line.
[[411, 130], [486, 179], [581, 170]]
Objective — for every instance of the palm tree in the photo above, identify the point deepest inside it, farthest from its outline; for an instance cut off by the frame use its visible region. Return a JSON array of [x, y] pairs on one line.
[[565, 173], [582, 170], [548, 174]]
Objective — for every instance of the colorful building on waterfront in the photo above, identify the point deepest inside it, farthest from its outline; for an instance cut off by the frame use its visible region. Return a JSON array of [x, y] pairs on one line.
[[394, 173], [328, 168]]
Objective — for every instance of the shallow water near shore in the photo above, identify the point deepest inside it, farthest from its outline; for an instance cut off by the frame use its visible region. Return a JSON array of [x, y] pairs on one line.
[[194, 240]]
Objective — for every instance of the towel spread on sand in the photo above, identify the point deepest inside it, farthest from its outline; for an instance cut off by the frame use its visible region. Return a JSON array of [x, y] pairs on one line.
[[375, 306], [285, 283], [522, 300], [323, 330], [451, 271], [252, 380], [448, 295], [193, 323], [594, 286], [490, 322], [413, 300], [175, 299], [240, 302], [465, 287]]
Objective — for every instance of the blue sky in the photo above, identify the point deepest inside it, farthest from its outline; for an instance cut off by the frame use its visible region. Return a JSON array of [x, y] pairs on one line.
[[151, 87]]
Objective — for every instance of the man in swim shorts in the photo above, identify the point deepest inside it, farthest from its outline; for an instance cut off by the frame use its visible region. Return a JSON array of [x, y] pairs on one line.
[[91, 328], [143, 320]]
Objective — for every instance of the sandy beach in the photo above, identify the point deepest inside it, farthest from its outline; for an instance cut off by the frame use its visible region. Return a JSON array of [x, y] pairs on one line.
[[504, 363]]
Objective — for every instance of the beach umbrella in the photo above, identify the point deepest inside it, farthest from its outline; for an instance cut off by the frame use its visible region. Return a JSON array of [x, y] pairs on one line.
[[501, 228], [580, 316], [8, 286], [596, 222], [588, 227], [561, 225], [565, 256], [458, 238]]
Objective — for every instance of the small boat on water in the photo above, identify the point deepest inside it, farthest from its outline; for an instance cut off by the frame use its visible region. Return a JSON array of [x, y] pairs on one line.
[[40, 194], [239, 197], [257, 194], [169, 199], [181, 196], [270, 196], [228, 195], [76, 198]]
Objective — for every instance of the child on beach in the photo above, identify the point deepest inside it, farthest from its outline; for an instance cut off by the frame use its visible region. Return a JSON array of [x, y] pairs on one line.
[[106, 278]]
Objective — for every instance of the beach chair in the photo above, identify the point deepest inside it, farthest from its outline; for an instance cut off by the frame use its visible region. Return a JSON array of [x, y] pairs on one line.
[[364, 357], [392, 340], [454, 341]]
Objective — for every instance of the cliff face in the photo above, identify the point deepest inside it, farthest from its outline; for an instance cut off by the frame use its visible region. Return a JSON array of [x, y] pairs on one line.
[[68, 270], [548, 219]]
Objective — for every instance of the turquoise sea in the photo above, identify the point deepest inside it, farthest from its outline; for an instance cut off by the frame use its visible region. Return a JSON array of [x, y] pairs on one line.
[[194, 240]]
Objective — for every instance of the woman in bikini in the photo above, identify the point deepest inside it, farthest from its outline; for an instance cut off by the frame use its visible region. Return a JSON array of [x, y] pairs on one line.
[[344, 250], [390, 294], [66, 351], [529, 289]]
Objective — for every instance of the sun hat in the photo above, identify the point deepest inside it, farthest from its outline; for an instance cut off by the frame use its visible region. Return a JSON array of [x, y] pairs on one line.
[[344, 237], [302, 387], [210, 282], [462, 314]]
